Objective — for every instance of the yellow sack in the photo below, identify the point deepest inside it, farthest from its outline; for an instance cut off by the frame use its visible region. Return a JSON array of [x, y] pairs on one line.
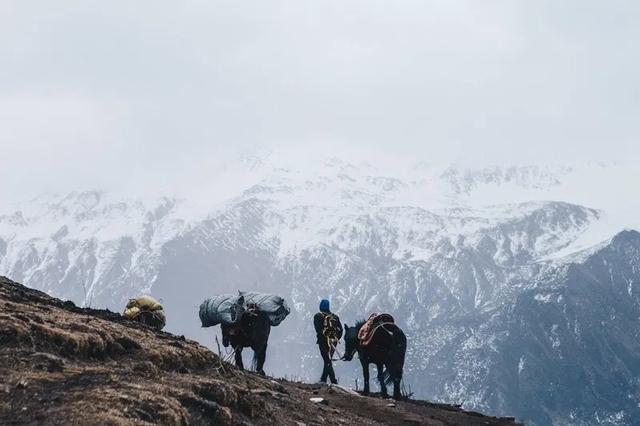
[[152, 311], [131, 313], [145, 303]]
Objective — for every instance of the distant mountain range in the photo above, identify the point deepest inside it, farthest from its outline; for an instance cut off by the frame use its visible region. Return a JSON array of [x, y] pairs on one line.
[[513, 304]]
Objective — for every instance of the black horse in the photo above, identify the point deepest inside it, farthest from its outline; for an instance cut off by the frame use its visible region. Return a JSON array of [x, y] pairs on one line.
[[386, 350], [251, 332]]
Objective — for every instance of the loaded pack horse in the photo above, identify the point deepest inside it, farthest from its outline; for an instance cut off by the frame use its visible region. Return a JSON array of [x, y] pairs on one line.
[[385, 347], [252, 331]]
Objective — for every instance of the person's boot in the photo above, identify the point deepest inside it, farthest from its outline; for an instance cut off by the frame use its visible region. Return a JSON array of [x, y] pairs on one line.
[[332, 377], [323, 378]]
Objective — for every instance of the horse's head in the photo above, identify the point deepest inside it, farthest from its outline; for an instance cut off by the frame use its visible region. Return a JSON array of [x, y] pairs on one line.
[[351, 341]]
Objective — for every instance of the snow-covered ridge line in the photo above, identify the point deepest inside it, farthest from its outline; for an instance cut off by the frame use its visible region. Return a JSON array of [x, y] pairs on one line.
[[318, 204]]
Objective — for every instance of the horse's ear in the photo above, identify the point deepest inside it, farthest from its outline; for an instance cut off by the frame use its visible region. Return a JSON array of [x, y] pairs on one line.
[[346, 327]]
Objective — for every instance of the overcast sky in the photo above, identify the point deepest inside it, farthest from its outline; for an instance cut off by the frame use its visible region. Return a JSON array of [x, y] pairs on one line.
[[101, 93]]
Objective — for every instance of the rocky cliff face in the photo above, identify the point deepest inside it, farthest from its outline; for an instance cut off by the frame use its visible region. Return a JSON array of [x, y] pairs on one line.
[[511, 308]]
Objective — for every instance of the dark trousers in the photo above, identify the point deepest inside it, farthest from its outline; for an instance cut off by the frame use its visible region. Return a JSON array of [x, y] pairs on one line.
[[327, 354]]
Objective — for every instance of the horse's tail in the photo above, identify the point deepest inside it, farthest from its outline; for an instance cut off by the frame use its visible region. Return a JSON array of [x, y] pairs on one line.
[[389, 378], [386, 377]]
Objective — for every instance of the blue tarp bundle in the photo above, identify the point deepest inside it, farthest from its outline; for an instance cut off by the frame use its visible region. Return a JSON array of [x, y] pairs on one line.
[[228, 309], [274, 306], [225, 308]]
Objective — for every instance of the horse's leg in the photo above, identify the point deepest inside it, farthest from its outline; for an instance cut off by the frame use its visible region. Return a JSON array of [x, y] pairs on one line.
[[260, 337], [383, 386], [365, 373], [330, 371], [238, 355], [396, 375], [260, 355], [396, 389]]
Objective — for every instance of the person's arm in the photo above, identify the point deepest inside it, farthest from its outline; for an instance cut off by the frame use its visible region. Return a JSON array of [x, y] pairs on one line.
[[317, 323], [340, 327]]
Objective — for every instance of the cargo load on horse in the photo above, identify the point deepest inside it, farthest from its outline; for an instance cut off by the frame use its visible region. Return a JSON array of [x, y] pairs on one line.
[[222, 309], [374, 322], [146, 310], [274, 306], [228, 309]]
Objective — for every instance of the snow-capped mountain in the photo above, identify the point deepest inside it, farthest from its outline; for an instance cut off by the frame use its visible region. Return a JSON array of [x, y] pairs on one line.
[[512, 303]]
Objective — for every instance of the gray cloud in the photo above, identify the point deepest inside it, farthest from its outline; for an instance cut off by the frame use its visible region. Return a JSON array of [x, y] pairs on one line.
[[100, 93]]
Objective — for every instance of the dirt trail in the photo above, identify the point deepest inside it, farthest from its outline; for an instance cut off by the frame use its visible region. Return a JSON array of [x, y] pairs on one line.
[[60, 364]]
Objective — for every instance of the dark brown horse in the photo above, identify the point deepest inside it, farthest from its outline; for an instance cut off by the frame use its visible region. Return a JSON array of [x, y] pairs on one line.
[[251, 332], [386, 350]]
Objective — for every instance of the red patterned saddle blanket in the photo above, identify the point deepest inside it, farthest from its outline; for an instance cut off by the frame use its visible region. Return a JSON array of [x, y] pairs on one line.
[[371, 325]]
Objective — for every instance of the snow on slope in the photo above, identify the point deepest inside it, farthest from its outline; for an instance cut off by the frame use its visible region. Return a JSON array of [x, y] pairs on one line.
[[427, 201], [87, 242], [58, 236]]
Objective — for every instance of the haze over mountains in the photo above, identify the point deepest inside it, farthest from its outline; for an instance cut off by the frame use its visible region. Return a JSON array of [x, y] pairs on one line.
[[517, 286]]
